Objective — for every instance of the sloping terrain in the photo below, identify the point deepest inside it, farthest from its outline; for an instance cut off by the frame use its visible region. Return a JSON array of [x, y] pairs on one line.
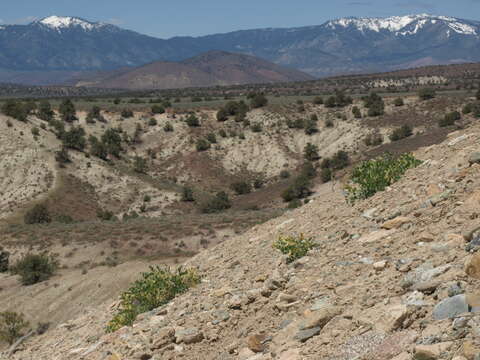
[[206, 70], [387, 281]]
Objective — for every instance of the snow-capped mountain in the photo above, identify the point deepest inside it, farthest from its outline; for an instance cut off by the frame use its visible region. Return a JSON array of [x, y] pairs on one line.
[[347, 45], [58, 23], [406, 25]]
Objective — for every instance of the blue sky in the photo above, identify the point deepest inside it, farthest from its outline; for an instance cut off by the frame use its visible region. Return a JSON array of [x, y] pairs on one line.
[[165, 19]]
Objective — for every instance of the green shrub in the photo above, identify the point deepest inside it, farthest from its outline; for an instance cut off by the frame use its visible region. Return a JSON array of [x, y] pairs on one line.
[[187, 194], [294, 204], [37, 215], [339, 160], [284, 174], [157, 109], [62, 157], [216, 203], [356, 112], [299, 189], [15, 109], [155, 288], [126, 113], [95, 114], [449, 119], [35, 268], [4, 261], [401, 133], [258, 183], [477, 95], [308, 170], [212, 138], [140, 165], [310, 127], [375, 175], [12, 325], [340, 99], [152, 122], [318, 100], [242, 187], [67, 111], [192, 121], [105, 215], [375, 105], [310, 152], [202, 145], [326, 175], [398, 102], [35, 131], [258, 101], [295, 247], [112, 141], [222, 133], [426, 94], [373, 139], [168, 127], [314, 117], [45, 111], [222, 115], [74, 138]]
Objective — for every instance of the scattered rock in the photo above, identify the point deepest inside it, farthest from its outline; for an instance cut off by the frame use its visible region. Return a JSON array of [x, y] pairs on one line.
[[431, 352], [304, 335], [321, 317], [188, 336], [474, 158], [380, 265], [450, 308], [256, 343], [395, 223], [472, 266]]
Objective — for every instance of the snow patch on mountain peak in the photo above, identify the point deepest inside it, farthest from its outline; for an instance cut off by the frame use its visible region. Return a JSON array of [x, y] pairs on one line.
[[62, 22], [410, 24]]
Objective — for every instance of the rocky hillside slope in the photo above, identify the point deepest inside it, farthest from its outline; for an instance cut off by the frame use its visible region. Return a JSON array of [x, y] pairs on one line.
[[393, 277]]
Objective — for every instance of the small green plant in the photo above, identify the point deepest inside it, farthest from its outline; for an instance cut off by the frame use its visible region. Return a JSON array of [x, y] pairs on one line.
[[310, 152], [155, 288], [12, 325], [152, 122], [216, 203], [168, 127], [157, 109], [35, 268], [398, 102], [295, 247], [375, 175]]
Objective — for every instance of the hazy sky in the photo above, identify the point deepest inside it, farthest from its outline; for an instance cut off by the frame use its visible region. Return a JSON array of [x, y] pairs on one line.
[[165, 19]]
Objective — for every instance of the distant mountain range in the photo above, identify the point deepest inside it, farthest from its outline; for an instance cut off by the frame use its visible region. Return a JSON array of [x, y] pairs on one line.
[[69, 46]]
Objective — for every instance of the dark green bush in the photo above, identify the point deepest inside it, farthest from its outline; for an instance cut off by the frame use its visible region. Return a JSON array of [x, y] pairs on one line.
[[242, 187], [37, 215], [318, 100], [211, 138], [152, 122], [140, 165], [374, 139], [67, 111], [310, 127], [156, 288], [326, 174], [4, 261], [35, 268], [192, 121], [157, 109], [284, 174], [401, 133], [258, 101], [256, 127], [95, 115], [216, 203], [168, 127], [398, 102], [426, 94], [15, 109], [375, 105], [202, 145], [45, 111], [310, 152], [449, 119], [222, 115], [299, 189], [126, 113], [356, 112], [187, 194], [74, 138]]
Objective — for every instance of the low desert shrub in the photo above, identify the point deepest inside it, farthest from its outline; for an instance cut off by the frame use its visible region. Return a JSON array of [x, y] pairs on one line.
[[295, 247], [37, 215], [155, 288], [375, 175], [35, 268], [12, 325]]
